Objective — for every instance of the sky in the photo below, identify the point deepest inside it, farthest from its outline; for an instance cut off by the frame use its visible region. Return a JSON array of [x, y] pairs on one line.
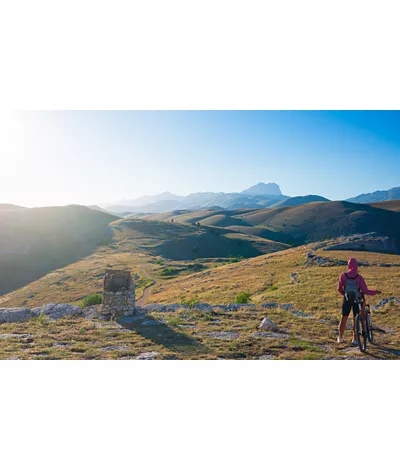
[[101, 157]]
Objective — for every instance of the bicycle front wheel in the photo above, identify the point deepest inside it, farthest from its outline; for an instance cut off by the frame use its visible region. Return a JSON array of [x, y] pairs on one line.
[[361, 335], [370, 331]]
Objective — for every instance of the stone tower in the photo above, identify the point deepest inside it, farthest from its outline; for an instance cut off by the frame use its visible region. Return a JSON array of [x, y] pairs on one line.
[[119, 293]]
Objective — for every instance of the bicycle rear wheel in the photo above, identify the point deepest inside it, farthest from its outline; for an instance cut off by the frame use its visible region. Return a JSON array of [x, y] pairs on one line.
[[361, 334]]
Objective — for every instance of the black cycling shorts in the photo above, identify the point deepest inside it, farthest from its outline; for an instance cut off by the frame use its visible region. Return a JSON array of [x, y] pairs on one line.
[[347, 306]]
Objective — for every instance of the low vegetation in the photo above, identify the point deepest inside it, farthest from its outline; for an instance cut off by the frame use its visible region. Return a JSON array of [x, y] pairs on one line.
[[94, 299]]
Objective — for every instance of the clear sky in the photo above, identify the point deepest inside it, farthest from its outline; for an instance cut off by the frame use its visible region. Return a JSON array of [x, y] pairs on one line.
[[91, 157]]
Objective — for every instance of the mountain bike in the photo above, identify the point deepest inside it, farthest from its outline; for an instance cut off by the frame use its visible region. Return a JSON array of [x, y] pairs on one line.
[[364, 327]]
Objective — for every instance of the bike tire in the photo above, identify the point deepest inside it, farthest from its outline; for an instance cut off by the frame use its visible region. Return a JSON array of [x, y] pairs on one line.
[[361, 334], [370, 331]]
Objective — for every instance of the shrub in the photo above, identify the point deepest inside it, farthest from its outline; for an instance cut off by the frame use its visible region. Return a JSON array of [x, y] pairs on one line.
[[243, 298], [94, 299]]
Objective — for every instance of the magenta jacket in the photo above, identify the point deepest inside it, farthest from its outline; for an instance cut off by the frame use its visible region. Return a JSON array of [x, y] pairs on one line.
[[352, 273]]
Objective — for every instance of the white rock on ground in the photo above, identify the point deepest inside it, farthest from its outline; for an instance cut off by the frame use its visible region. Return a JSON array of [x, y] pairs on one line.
[[268, 324], [15, 315], [56, 311]]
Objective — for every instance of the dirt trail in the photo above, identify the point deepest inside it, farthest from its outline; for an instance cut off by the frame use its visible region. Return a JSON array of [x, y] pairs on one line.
[[147, 292]]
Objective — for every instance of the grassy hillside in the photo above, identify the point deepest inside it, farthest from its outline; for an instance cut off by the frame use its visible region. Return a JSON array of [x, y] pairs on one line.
[[188, 242], [322, 220], [34, 242], [299, 200], [10, 207], [388, 205], [192, 334], [153, 250]]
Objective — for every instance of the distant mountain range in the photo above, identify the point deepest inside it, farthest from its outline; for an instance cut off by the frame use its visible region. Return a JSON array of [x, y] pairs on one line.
[[259, 196], [377, 196]]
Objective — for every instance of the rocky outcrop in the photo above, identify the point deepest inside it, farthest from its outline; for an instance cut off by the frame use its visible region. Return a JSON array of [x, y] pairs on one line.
[[57, 311], [15, 315], [384, 302]]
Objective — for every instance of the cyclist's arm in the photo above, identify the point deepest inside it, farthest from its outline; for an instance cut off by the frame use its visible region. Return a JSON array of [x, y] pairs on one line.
[[363, 287], [340, 286]]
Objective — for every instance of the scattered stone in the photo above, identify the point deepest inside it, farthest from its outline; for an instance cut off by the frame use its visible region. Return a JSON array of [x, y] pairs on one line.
[[57, 311], [299, 313], [220, 307], [172, 307], [270, 305], [268, 324], [293, 278], [203, 307], [147, 356], [62, 345], [286, 306], [115, 348], [15, 335], [268, 334], [15, 315], [224, 335], [93, 311], [154, 308], [265, 357], [384, 302]]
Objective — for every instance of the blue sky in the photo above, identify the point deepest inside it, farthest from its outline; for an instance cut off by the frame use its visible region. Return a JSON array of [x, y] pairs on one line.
[[89, 157]]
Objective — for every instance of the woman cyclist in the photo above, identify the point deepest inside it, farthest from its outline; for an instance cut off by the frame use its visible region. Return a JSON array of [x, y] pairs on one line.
[[353, 287]]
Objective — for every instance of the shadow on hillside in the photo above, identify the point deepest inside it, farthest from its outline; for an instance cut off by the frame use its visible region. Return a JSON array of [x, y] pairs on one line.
[[387, 350], [161, 333]]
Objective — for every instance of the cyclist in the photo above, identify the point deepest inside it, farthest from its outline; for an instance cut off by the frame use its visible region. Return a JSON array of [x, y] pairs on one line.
[[353, 287]]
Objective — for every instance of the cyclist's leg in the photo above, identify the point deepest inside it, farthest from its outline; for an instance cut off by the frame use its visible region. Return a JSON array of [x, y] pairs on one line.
[[346, 308], [342, 325], [356, 311]]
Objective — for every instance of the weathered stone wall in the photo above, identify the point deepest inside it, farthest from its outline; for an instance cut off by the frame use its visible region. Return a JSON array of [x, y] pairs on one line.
[[119, 293]]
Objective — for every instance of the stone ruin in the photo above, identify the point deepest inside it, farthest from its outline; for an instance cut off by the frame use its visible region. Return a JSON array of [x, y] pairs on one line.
[[118, 293]]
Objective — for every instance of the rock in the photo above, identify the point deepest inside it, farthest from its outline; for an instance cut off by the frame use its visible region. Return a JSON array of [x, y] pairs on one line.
[[92, 311], [245, 306], [232, 307], [384, 302], [220, 307], [224, 335], [154, 308], [270, 305], [268, 324], [286, 306], [147, 356], [15, 335], [293, 278], [62, 345], [56, 311], [115, 348], [172, 307], [299, 313], [203, 307], [265, 357], [15, 315], [268, 334]]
